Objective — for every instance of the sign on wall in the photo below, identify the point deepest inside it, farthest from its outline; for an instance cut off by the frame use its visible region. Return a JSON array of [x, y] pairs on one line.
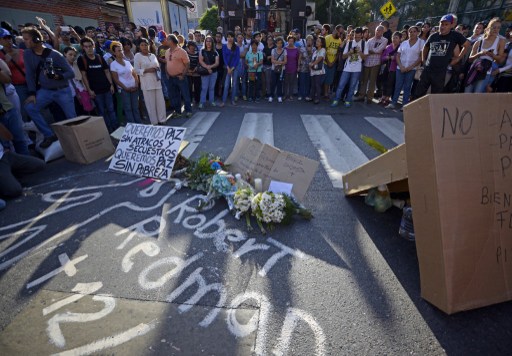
[[147, 13]]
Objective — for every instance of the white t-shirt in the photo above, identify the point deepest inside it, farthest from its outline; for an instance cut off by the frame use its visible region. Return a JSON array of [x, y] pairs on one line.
[[408, 54], [354, 62], [318, 53], [124, 73]]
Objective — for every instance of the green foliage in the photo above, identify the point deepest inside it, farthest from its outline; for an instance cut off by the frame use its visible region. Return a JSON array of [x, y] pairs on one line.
[[420, 10], [210, 20]]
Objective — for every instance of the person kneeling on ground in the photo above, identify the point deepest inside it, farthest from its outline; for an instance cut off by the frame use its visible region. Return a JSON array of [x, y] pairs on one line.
[[13, 165]]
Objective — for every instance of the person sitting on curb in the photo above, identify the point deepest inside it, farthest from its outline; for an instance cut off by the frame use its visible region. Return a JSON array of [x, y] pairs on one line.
[[13, 165]]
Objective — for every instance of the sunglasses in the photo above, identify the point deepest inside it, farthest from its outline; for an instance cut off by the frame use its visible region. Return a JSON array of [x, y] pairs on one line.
[[100, 37]]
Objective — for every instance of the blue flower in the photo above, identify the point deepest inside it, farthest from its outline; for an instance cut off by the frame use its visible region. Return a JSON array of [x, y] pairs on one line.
[[215, 166]]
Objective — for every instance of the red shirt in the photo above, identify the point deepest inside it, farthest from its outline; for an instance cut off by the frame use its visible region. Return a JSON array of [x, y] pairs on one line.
[[17, 77]]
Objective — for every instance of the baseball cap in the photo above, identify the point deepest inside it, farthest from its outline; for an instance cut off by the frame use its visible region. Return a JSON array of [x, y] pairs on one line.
[[447, 18], [106, 45], [296, 30], [162, 36], [4, 33]]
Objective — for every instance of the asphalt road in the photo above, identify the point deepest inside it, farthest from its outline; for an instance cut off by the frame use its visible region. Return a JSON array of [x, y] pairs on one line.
[[94, 261]]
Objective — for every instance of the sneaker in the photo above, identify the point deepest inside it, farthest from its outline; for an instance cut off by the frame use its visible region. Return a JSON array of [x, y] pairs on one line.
[[176, 115], [270, 99], [245, 97], [221, 105], [359, 98], [250, 100], [280, 100], [257, 100], [214, 103], [236, 98], [348, 104], [308, 98], [299, 98], [47, 142], [234, 103], [200, 106], [188, 114], [390, 106], [334, 103]]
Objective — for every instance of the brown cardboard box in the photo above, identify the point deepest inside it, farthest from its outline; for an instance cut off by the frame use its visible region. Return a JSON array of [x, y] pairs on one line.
[[459, 159], [84, 139], [388, 168], [269, 163]]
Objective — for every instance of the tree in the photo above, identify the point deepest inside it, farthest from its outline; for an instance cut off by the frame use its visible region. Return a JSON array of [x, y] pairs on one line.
[[210, 20]]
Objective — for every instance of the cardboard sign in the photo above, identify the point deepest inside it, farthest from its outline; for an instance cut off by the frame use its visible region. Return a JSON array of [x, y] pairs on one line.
[[389, 168], [84, 139], [148, 151], [269, 163], [459, 159]]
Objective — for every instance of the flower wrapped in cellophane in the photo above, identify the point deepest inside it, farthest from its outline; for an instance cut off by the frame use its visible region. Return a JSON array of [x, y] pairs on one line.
[[271, 208], [242, 201], [199, 173], [222, 184]]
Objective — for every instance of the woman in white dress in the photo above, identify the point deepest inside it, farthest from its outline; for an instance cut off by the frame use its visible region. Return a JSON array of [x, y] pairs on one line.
[[147, 67]]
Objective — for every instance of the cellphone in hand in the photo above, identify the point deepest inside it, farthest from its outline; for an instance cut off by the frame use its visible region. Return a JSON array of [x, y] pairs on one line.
[[64, 28]]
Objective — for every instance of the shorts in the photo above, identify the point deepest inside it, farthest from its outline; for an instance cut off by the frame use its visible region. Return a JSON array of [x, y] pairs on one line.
[[329, 74]]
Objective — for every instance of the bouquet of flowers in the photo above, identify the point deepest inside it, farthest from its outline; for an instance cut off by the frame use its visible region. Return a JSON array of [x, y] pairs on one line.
[[199, 173], [242, 203], [223, 184], [271, 208]]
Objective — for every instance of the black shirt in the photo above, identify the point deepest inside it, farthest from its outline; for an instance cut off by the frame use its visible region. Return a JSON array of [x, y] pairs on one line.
[[441, 49], [267, 51], [95, 69], [209, 58]]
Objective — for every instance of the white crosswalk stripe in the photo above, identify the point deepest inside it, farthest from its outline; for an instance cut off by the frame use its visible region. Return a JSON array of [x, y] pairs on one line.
[[338, 153], [259, 126], [197, 127], [389, 126]]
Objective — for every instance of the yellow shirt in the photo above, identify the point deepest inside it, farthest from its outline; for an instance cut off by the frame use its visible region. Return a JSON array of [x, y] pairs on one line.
[[331, 45]]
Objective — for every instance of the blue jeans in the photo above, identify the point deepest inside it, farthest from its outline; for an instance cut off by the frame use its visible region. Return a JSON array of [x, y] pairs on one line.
[[479, 86], [403, 80], [242, 77], [105, 105], [350, 78], [131, 106], [230, 79], [22, 91], [178, 89], [12, 121], [208, 86], [277, 84], [304, 84], [44, 97]]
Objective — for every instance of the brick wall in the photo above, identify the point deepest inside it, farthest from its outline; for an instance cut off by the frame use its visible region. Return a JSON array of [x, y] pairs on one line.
[[84, 8]]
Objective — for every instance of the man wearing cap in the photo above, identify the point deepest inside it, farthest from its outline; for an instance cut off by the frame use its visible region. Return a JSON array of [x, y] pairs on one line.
[[98, 82], [299, 42], [47, 73], [177, 64], [65, 39], [439, 52]]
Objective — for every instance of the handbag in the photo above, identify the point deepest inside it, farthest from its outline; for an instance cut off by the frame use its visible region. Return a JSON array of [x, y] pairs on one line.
[[200, 69], [278, 68], [85, 100]]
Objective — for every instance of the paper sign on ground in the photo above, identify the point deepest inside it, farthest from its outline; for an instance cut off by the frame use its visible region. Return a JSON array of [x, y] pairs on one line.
[[280, 187], [259, 160], [148, 151]]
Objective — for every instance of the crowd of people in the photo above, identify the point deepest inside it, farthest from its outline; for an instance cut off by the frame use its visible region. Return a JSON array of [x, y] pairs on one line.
[[138, 74]]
